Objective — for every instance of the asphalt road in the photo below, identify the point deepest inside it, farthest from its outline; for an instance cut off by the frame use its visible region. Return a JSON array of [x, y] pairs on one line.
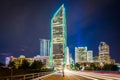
[[78, 75]]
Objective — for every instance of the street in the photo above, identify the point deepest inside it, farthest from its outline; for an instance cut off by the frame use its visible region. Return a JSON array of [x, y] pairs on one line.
[[78, 75]]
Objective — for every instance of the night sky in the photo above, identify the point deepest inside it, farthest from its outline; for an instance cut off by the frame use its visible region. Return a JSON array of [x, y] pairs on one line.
[[24, 22]]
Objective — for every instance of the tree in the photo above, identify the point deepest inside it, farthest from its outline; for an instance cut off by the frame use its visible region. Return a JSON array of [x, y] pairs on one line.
[[114, 68], [12, 65], [37, 65], [77, 66], [92, 66], [1, 64], [25, 65], [110, 67], [72, 66]]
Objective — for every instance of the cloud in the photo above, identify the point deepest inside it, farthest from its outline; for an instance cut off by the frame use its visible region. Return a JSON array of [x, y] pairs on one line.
[[5, 54]]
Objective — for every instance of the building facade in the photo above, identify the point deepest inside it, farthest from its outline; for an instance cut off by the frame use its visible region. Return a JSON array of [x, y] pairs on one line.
[[58, 39], [104, 53], [19, 60], [67, 58], [80, 54], [44, 47], [44, 59], [90, 56]]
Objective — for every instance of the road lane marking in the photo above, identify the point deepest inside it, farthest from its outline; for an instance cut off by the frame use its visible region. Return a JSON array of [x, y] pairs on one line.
[[93, 75], [101, 76], [72, 77], [56, 76], [86, 76], [43, 76]]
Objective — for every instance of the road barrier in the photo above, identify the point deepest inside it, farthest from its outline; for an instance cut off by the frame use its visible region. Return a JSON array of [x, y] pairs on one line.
[[25, 76]]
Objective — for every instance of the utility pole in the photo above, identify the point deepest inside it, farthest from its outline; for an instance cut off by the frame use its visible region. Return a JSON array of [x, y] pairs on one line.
[[63, 68]]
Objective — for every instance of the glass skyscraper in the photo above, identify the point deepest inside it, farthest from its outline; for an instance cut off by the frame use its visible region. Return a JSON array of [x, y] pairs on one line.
[[58, 39], [44, 47]]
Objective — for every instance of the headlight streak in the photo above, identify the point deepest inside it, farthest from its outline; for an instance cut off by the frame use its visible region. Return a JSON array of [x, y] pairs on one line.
[[98, 76]]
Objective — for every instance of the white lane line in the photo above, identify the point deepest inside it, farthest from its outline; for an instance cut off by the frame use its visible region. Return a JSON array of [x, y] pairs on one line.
[[85, 76], [108, 77], [74, 78], [93, 75], [43, 76], [104, 76], [101, 76], [111, 76]]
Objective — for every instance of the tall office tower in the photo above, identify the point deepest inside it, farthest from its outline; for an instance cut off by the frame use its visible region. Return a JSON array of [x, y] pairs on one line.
[[44, 47], [58, 39], [80, 54], [90, 56], [104, 53], [67, 57]]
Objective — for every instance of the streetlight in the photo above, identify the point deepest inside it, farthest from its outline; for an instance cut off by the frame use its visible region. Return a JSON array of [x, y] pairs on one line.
[[63, 68], [10, 72]]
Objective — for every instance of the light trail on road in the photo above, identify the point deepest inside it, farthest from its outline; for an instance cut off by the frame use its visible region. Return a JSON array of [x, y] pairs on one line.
[[78, 75], [95, 75]]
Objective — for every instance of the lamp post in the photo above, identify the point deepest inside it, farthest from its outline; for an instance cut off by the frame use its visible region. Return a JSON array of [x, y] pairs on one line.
[[10, 73], [63, 68]]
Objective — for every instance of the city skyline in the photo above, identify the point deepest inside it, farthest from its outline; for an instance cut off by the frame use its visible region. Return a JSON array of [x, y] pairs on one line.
[[88, 23]]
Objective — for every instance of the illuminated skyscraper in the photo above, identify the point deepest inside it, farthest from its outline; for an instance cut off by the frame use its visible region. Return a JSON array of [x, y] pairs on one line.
[[104, 53], [67, 57], [80, 54], [90, 56], [58, 39], [44, 47]]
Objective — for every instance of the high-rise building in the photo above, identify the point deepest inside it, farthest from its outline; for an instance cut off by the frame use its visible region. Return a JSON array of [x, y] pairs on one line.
[[104, 53], [58, 39], [90, 56], [67, 57], [80, 54], [44, 47]]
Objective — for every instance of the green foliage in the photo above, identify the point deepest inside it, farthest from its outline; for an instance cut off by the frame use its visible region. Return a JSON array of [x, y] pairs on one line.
[[108, 67], [92, 66], [77, 66], [1, 64], [36, 65], [47, 70], [12, 65], [25, 65], [72, 67], [111, 67]]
